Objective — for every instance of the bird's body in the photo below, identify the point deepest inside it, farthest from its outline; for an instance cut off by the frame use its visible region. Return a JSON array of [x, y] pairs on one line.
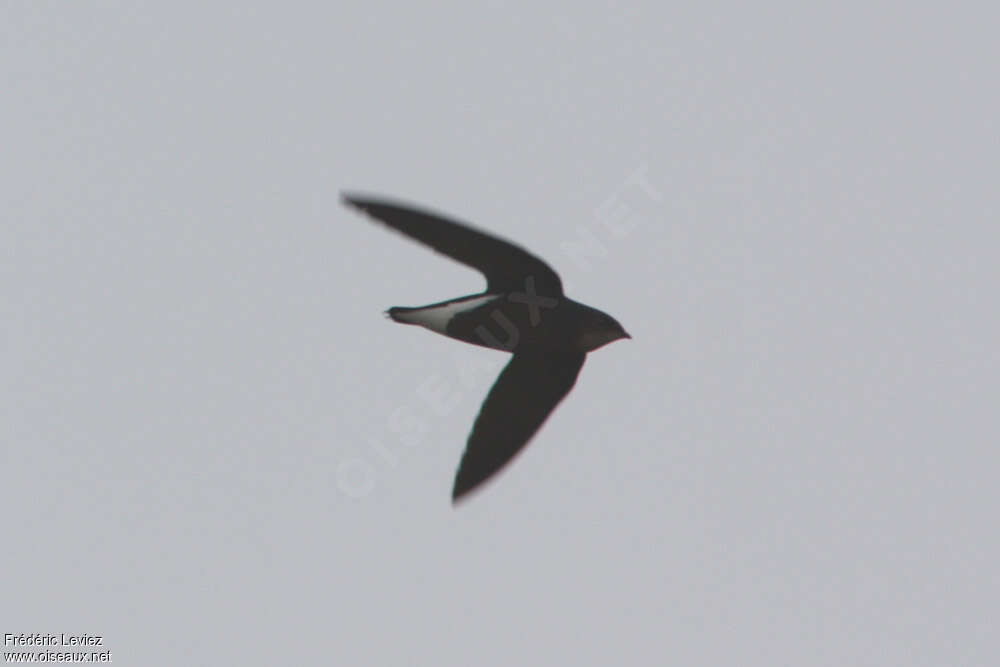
[[500, 322], [522, 311]]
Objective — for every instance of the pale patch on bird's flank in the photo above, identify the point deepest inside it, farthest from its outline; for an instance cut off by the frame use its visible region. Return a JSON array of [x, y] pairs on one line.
[[436, 318]]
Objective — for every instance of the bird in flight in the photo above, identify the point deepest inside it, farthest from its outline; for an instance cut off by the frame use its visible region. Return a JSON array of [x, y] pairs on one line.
[[522, 311]]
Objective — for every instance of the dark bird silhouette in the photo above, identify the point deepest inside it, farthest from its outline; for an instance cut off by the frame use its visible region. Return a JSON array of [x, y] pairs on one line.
[[522, 311]]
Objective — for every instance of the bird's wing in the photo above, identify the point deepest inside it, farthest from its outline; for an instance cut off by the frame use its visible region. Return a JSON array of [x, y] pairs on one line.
[[505, 265], [522, 398]]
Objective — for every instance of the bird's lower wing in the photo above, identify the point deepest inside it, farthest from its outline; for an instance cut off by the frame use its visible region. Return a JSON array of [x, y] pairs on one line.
[[522, 398]]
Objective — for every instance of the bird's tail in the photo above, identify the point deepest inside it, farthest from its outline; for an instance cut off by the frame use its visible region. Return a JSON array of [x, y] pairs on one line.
[[401, 314]]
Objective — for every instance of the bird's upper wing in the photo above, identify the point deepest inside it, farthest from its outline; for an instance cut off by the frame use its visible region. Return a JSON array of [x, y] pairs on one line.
[[524, 395], [505, 265]]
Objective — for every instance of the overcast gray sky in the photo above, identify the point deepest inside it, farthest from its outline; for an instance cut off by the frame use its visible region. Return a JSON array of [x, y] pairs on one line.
[[216, 450]]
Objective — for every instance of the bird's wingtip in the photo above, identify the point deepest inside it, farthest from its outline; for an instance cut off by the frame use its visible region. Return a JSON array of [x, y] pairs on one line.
[[359, 200], [461, 492]]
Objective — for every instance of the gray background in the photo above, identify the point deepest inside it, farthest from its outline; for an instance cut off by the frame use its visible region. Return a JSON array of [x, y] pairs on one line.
[[215, 449]]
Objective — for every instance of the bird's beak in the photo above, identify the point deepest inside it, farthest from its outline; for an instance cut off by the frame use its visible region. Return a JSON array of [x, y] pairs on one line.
[[626, 335]]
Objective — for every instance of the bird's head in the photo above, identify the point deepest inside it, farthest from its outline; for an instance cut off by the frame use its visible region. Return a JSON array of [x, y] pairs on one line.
[[599, 329]]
